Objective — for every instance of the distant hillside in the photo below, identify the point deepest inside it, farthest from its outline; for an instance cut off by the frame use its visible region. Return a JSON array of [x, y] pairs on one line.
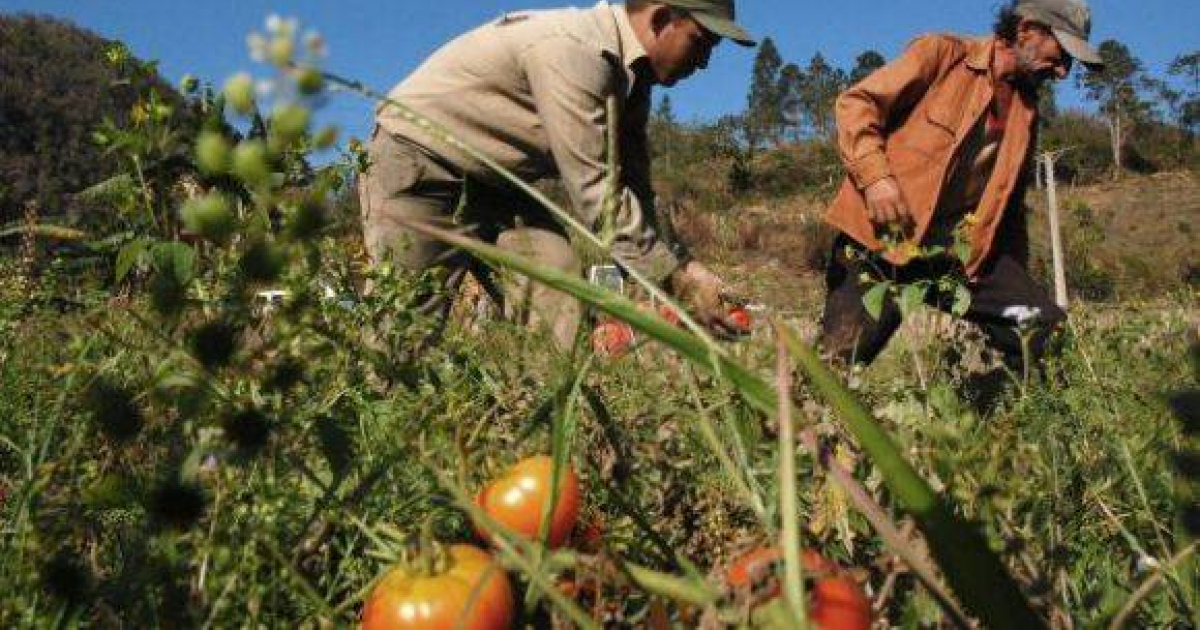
[[1133, 238], [1127, 239], [58, 86]]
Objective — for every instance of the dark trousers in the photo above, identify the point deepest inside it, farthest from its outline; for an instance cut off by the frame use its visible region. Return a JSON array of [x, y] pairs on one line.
[[1003, 294]]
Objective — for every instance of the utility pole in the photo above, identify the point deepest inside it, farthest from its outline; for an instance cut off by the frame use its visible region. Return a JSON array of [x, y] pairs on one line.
[[1046, 161]]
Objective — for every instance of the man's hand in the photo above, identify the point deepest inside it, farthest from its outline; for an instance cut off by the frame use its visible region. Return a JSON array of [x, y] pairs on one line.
[[700, 290], [886, 204]]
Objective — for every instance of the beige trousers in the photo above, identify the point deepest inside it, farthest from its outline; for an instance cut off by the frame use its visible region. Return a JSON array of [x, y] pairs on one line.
[[403, 182]]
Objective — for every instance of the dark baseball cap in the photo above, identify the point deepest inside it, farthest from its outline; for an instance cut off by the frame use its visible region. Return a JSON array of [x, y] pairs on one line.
[[717, 16], [1071, 23]]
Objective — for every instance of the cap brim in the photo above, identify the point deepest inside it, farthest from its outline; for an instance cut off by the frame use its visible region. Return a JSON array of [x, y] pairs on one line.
[[1078, 48], [725, 28]]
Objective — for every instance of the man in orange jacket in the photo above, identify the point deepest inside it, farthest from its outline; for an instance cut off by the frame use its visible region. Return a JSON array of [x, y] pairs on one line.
[[938, 147]]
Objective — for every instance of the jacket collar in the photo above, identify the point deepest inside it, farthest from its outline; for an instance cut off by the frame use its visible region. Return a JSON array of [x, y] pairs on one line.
[[979, 53]]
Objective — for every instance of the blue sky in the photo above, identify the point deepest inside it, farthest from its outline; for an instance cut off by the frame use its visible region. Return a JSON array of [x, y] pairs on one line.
[[379, 41]]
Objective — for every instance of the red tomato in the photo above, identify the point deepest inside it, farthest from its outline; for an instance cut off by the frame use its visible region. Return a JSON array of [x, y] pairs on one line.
[[758, 565], [834, 602], [740, 317], [516, 499], [472, 592], [612, 337], [837, 603]]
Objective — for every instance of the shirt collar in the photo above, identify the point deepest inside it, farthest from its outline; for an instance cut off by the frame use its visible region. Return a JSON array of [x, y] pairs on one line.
[[631, 47]]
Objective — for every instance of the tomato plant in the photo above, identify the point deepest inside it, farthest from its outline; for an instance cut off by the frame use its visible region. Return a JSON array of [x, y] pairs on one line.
[[835, 602], [469, 590], [518, 498]]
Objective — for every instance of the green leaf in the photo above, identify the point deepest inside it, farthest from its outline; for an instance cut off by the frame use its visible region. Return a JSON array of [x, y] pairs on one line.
[[962, 248], [133, 253], [177, 259], [912, 297], [873, 299], [962, 300], [110, 244], [110, 190]]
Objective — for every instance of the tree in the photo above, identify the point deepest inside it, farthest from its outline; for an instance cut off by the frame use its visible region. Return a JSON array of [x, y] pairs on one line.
[[822, 84], [764, 117], [1047, 106], [866, 63], [1116, 89], [791, 86], [663, 130], [1187, 108]]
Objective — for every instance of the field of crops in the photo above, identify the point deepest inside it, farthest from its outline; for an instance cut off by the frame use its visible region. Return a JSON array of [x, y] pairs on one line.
[[206, 421], [146, 478]]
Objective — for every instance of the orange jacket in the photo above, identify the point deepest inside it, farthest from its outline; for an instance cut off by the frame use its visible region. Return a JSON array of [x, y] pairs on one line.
[[908, 120]]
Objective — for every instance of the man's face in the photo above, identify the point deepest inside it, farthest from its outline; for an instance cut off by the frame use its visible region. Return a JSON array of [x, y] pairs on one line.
[[1039, 55], [682, 47]]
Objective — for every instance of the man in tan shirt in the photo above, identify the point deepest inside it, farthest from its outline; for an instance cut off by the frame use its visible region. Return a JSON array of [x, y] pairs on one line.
[[530, 91], [938, 145]]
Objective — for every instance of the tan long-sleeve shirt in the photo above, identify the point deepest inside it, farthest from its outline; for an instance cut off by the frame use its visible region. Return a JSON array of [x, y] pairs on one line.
[[530, 91]]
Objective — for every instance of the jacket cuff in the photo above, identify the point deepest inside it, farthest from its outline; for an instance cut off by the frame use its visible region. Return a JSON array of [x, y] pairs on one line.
[[869, 169]]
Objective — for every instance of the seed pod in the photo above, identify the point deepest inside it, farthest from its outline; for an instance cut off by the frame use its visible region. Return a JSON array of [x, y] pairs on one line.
[[290, 122], [212, 153], [281, 49], [239, 93], [176, 505], [214, 343], [307, 220], [309, 81], [250, 163], [167, 294], [248, 431], [285, 374], [210, 217], [326, 137], [263, 261], [67, 578], [113, 410]]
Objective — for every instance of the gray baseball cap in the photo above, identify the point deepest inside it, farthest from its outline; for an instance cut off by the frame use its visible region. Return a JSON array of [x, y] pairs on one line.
[[1071, 23], [717, 16]]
